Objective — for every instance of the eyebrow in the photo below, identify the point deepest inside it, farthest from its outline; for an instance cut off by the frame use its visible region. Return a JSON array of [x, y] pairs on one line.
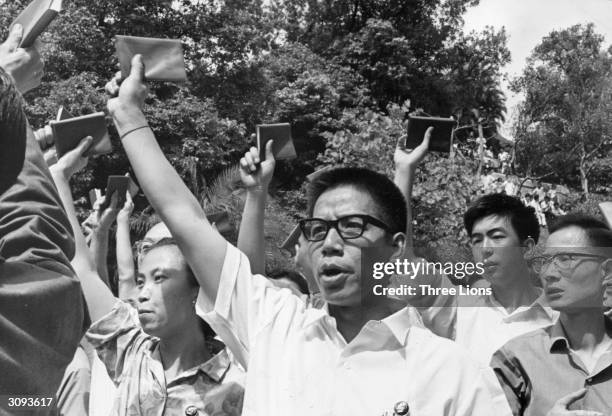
[[491, 231]]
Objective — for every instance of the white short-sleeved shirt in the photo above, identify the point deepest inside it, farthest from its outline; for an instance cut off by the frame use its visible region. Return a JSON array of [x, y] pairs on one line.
[[480, 323], [299, 364]]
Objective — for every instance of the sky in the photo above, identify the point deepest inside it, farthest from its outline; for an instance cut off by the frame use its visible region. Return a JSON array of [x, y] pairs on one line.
[[527, 21]]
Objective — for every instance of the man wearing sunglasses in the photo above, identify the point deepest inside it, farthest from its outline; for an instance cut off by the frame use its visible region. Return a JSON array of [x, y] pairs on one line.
[[566, 369]]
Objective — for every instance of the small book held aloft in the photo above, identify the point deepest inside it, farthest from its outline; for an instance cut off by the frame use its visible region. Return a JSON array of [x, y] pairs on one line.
[[441, 138], [116, 184], [35, 18], [163, 58], [68, 134], [282, 148]]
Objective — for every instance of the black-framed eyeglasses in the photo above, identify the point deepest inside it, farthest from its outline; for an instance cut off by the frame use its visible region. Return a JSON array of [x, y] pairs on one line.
[[565, 262], [349, 227]]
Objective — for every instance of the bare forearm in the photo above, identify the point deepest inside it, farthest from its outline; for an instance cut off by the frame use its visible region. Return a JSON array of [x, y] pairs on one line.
[[203, 247], [404, 179], [99, 250], [251, 239], [125, 261], [98, 296]]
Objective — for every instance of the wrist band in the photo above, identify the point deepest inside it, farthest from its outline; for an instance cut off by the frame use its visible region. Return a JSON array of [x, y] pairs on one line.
[[133, 130]]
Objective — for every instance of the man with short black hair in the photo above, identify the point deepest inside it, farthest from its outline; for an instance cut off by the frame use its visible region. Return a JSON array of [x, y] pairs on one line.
[[503, 232], [566, 368], [360, 354]]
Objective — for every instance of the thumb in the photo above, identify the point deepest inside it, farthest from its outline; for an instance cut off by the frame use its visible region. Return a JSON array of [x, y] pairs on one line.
[[427, 137], [84, 145], [565, 401], [401, 142], [138, 69], [269, 153], [15, 37]]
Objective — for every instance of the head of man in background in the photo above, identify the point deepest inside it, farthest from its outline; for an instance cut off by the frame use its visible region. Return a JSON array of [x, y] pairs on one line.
[[502, 231], [576, 263]]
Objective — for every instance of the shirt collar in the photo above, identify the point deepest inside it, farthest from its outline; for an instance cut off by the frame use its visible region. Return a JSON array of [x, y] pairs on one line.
[[538, 305], [558, 339], [215, 367], [398, 323]]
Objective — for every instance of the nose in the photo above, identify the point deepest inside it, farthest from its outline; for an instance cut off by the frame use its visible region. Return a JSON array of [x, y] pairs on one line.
[[144, 294], [485, 248], [333, 243], [549, 273]]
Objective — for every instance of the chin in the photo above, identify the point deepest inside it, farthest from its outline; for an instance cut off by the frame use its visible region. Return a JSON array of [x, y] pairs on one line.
[[338, 299]]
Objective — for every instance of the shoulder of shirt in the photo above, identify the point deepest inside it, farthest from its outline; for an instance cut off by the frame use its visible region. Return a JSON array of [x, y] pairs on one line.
[[529, 337]]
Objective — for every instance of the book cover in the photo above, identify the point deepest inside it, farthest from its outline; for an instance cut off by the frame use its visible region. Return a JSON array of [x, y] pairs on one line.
[[441, 137], [35, 18], [163, 58], [282, 148], [68, 133], [116, 184]]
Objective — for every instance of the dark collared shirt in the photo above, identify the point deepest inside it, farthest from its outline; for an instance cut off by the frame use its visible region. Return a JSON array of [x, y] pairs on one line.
[[538, 368]]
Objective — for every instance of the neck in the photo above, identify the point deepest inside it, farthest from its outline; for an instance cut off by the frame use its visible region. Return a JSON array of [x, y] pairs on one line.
[[185, 349], [350, 319], [516, 291], [584, 328]]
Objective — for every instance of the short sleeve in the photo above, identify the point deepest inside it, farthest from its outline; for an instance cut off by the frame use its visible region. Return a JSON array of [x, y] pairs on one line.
[[245, 304], [119, 339], [513, 379]]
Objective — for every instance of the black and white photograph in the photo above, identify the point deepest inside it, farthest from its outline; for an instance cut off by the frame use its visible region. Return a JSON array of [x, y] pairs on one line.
[[306, 208]]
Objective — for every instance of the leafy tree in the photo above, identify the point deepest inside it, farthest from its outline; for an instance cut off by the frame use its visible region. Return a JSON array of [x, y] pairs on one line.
[[568, 90], [444, 185]]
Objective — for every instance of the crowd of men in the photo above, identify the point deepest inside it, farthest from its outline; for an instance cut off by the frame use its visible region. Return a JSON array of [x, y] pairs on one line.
[[197, 329]]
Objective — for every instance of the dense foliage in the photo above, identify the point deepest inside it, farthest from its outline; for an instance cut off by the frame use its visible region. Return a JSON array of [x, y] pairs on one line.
[[564, 125], [345, 73]]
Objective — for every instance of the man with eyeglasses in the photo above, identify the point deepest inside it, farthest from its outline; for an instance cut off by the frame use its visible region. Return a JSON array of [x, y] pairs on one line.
[[566, 369], [357, 356]]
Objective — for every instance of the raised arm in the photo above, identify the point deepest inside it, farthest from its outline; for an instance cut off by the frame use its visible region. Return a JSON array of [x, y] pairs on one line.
[[99, 239], [256, 179], [23, 65], [406, 162], [98, 296], [125, 257], [201, 244]]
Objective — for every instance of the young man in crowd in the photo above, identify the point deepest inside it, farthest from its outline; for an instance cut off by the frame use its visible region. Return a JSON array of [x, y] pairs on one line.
[[358, 355], [161, 356], [41, 308], [503, 233], [566, 369]]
